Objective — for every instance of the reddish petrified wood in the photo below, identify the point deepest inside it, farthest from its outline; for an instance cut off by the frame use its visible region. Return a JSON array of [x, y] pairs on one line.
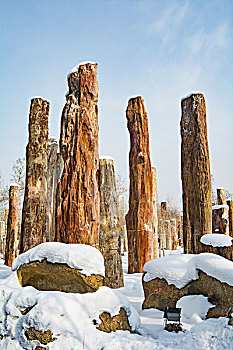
[[139, 220], [77, 214], [33, 231], [12, 226], [195, 173]]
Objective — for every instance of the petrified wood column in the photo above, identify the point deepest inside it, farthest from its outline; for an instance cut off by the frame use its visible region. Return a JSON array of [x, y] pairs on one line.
[[230, 205], [195, 173], [139, 220], [155, 212], [220, 213], [12, 225], [167, 226], [173, 234], [77, 219], [51, 171], [33, 229], [109, 238], [56, 194], [221, 196]]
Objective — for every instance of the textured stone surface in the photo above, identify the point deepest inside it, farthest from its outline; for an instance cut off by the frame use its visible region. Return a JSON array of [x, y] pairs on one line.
[[33, 229], [155, 211], [167, 226], [220, 219], [195, 173], [139, 220], [221, 196], [57, 177], [48, 276], [122, 212], [77, 214], [109, 238], [173, 234], [230, 205], [159, 294], [43, 337], [112, 324], [12, 225], [225, 252], [51, 171]]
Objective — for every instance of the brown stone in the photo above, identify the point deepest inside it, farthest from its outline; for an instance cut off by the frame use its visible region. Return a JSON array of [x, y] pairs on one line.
[[155, 211], [109, 238], [167, 226], [48, 276], [220, 219], [159, 294], [12, 225], [112, 324], [139, 220], [173, 234], [230, 205], [225, 252], [33, 230], [51, 173], [77, 213], [43, 337], [221, 196], [57, 177], [195, 173]]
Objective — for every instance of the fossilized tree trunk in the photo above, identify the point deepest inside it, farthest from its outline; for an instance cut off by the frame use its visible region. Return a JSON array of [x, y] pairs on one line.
[[59, 165], [155, 212], [52, 156], [77, 214], [173, 234], [167, 226], [220, 213], [12, 225], [110, 238], [195, 173], [221, 196], [33, 229], [230, 205], [139, 220]]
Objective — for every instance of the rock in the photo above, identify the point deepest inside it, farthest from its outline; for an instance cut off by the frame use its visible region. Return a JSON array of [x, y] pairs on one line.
[[33, 230], [139, 220], [43, 337], [173, 234], [12, 225], [48, 276], [122, 212], [57, 177], [109, 238], [77, 213], [112, 324], [225, 252], [167, 226], [220, 219], [195, 173], [159, 294], [155, 211], [51, 170], [230, 205], [221, 196]]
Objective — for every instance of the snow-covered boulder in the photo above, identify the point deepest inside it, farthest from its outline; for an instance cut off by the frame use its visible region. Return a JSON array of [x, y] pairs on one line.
[[64, 321], [53, 266], [218, 243], [168, 279]]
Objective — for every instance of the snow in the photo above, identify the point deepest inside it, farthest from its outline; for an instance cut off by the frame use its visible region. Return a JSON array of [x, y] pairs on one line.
[[76, 68], [182, 269], [106, 157], [190, 94], [216, 240], [69, 317], [194, 308], [82, 257], [225, 216], [220, 206], [14, 184]]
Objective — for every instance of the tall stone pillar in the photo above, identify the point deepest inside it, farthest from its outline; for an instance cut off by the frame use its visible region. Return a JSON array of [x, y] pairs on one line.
[[167, 226], [59, 165], [139, 220], [221, 196], [110, 238], [12, 225], [33, 229], [122, 212], [4, 238], [230, 205], [77, 214], [164, 216], [52, 156], [155, 211], [195, 173], [173, 234]]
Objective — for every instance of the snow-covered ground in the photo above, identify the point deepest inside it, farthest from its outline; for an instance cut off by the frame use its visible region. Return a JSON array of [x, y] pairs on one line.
[[69, 318]]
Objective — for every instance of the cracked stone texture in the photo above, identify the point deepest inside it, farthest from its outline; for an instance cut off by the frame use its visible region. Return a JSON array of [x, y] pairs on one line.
[[110, 228], [155, 210], [139, 220], [33, 229], [195, 173], [77, 213], [230, 205], [12, 226]]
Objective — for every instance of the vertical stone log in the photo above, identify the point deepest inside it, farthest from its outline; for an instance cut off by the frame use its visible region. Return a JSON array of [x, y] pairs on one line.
[[77, 214], [221, 196], [173, 234], [110, 239], [164, 216], [4, 238], [52, 156], [195, 173], [2, 235], [230, 205], [220, 219], [180, 231], [33, 229], [56, 194], [12, 225], [155, 211], [167, 226], [139, 220], [122, 212]]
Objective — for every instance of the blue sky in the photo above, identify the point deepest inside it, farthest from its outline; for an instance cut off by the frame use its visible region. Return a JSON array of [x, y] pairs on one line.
[[160, 50]]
